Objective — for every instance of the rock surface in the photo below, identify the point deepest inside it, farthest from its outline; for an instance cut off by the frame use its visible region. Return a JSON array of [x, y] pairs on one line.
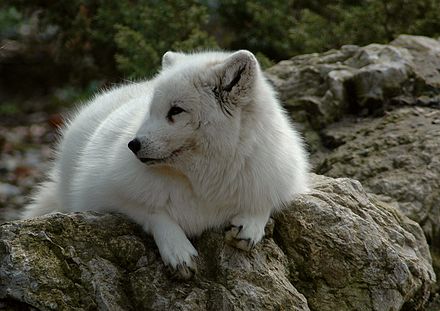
[[89, 261], [333, 249], [395, 156], [318, 89], [371, 113], [349, 251]]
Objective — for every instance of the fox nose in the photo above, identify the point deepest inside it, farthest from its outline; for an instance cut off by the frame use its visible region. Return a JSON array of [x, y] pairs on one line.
[[134, 145]]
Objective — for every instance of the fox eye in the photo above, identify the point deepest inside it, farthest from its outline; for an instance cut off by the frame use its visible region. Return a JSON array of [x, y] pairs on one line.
[[174, 110]]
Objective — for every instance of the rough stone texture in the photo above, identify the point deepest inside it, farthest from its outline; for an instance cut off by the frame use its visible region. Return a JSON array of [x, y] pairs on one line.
[[89, 261], [425, 54], [342, 249], [318, 89], [349, 251], [393, 153], [372, 113], [395, 156]]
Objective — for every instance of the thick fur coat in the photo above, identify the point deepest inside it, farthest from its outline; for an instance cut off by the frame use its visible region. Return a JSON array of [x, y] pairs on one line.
[[203, 144]]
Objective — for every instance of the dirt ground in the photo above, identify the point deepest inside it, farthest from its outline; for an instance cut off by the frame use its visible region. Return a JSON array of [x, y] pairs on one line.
[[25, 153]]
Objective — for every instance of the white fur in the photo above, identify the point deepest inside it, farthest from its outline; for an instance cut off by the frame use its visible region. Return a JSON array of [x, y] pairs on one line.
[[233, 169]]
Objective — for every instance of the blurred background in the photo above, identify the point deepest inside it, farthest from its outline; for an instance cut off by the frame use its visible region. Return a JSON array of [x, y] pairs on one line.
[[54, 54]]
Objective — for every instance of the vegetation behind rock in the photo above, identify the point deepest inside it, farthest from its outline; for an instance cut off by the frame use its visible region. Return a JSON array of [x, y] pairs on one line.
[[78, 46]]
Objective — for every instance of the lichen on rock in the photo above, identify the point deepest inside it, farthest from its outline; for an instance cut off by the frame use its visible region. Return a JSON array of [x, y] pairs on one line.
[[332, 249], [348, 251]]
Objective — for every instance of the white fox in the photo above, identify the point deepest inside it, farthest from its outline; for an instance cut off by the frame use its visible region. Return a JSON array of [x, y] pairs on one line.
[[204, 144]]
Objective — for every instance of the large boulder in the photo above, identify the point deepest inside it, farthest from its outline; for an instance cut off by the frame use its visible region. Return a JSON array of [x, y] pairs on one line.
[[89, 261], [425, 60], [396, 156], [349, 251], [318, 89], [371, 113], [336, 248]]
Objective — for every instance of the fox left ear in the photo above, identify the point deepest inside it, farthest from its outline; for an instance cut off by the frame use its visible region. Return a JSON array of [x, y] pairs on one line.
[[170, 58], [237, 74]]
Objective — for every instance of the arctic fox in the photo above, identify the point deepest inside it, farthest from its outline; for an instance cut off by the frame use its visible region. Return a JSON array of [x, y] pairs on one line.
[[203, 144]]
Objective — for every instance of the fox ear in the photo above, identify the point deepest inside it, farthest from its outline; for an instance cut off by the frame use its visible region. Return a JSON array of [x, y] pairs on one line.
[[237, 75], [170, 58], [235, 79]]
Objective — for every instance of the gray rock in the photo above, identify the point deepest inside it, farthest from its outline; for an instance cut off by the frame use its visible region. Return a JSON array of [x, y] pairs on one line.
[[382, 73], [312, 86], [425, 54], [348, 102], [341, 248], [348, 251], [318, 89], [87, 261], [396, 156]]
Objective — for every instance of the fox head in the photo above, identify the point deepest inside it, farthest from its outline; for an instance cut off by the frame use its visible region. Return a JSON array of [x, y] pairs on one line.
[[198, 105]]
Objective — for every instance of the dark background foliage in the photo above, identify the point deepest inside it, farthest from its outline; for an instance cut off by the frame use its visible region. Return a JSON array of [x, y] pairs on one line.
[[53, 53]]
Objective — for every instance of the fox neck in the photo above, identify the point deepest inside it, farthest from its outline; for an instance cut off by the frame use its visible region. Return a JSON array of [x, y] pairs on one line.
[[216, 175]]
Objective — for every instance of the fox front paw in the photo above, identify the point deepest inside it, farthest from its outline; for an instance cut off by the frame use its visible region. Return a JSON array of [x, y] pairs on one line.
[[244, 234], [232, 238], [180, 258], [185, 270]]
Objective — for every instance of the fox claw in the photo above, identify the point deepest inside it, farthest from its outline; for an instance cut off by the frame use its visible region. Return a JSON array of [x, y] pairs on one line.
[[232, 238], [183, 271]]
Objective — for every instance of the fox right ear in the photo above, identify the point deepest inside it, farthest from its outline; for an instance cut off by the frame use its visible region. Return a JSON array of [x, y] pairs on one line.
[[238, 72], [170, 58]]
